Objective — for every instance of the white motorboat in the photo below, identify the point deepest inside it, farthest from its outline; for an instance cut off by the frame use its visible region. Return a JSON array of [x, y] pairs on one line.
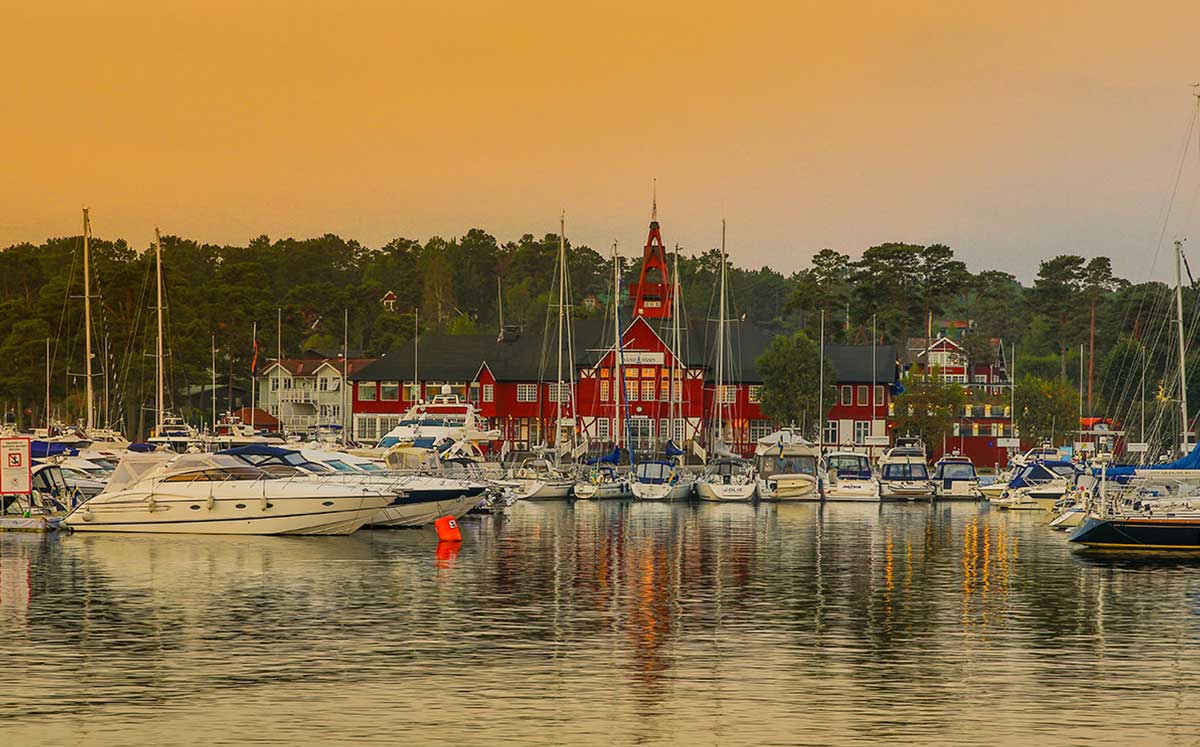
[[220, 494], [602, 481], [849, 477], [954, 476], [903, 471], [173, 434], [1038, 486], [786, 466], [727, 479], [660, 481], [445, 418]]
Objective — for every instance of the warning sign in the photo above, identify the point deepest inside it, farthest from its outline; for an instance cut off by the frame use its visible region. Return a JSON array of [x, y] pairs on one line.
[[14, 466]]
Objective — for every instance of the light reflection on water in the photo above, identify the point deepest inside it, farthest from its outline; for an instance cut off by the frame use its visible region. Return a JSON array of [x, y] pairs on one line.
[[603, 623]]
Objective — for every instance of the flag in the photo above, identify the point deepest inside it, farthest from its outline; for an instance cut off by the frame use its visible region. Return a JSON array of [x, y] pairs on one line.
[[254, 360]]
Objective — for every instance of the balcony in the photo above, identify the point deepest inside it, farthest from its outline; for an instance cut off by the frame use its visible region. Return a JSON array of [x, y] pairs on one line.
[[295, 396]]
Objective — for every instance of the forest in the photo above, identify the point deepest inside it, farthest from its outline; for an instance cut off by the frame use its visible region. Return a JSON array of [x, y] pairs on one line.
[[458, 286]]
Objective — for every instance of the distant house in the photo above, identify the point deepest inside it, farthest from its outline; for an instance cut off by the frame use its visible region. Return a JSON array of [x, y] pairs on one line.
[[389, 301], [308, 391]]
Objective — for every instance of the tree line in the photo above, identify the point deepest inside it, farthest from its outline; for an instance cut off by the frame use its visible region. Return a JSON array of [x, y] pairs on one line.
[[462, 285]]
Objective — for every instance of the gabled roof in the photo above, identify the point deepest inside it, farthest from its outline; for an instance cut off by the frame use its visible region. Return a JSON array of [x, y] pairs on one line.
[[309, 366]]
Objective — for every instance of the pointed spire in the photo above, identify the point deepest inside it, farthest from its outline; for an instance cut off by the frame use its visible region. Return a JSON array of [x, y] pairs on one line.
[[654, 200]]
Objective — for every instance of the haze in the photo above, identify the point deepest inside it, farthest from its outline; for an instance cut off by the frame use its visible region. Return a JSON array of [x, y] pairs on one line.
[[1011, 131]]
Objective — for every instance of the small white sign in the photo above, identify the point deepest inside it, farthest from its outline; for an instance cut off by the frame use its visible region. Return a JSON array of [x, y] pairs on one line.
[[1008, 443], [1082, 446], [1137, 448], [876, 441], [15, 467], [643, 359]]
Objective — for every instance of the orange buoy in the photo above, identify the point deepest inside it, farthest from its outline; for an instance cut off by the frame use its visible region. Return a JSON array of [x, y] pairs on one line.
[[447, 529]]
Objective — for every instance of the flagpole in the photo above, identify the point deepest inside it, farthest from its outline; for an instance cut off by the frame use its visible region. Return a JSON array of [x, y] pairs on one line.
[[253, 373]]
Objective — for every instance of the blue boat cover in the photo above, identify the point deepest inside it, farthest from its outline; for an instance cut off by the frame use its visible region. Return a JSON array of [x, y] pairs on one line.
[[258, 450], [613, 458], [672, 450], [43, 449], [141, 448], [1188, 461]]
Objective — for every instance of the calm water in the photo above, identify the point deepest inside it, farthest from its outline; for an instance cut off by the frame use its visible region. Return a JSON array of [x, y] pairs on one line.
[[610, 623]]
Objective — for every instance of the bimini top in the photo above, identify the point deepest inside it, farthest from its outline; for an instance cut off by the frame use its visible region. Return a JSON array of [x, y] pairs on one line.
[[1037, 473], [1189, 461]]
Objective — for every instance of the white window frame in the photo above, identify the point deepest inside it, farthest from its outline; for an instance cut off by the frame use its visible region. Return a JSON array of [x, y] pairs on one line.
[[489, 392], [365, 388], [847, 395], [526, 392], [649, 390], [603, 429], [605, 390], [728, 394], [879, 395], [383, 397], [754, 395], [830, 435], [862, 429]]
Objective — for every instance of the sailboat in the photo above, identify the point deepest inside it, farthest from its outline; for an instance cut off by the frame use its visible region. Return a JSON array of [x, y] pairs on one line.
[[727, 476], [665, 479], [603, 480], [541, 479]]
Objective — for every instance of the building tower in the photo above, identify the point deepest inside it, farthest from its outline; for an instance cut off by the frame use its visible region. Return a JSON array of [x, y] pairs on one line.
[[652, 292]]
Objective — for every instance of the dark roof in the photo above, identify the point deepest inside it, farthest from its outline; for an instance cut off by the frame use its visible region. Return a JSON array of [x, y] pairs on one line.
[[532, 357]]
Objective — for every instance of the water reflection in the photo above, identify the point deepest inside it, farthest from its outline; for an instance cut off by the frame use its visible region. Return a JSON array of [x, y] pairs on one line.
[[603, 622]]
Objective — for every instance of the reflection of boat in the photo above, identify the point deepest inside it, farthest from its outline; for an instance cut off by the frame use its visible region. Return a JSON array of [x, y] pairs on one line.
[[903, 472], [787, 468], [954, 476], [850, 478], [219, 494]]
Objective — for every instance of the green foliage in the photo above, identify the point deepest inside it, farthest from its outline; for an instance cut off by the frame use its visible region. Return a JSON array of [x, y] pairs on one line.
[[1047, 409], [929, 407], [790, 369]]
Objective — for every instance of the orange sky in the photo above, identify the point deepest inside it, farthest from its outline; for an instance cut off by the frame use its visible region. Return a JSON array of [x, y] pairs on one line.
[[1011, 131]]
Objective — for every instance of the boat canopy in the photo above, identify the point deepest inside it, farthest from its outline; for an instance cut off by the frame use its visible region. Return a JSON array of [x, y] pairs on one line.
[[1188, 461], [133, 468], [849, 464]]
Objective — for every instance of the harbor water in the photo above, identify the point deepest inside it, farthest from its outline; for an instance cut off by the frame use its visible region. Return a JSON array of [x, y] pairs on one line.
[[604, 623]]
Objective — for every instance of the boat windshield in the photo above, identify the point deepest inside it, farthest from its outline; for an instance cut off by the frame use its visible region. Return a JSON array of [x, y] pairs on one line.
[[370, 467], [956, 471], [850, 465], [787, 465], [655, 472], [219, 475], [905, 471], [339, 465]]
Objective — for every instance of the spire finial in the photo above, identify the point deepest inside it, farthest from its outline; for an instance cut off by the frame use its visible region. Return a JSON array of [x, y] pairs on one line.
[[654, 199]]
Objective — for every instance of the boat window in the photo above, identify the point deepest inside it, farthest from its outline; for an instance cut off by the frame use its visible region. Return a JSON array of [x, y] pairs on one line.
[[956, 471], [653, 471], [849, 463], [370, 467], [339, 465], [388, 441], [218, 475], [1065, 470], [787, 465], [905, 471]]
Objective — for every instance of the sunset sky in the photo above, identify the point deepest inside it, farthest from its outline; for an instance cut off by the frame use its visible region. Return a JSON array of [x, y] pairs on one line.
[[1011, 131]]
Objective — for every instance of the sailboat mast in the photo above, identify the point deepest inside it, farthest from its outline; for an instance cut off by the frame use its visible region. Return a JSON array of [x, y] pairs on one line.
[[345, 368], [874, 338], [47, 387], [279, 367], [416, 372], [213, 425], [618, 354], [672, 399], [1185, 430], [158, 347], [562, 285], [721, 344], [87, 324], [821, 387]]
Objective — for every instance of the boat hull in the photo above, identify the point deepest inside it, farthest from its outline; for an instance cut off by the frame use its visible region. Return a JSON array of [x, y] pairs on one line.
[[169, 514], [1139, 533], [603, 490], [662, 491], [409, 512], [725, 492], [545, 490], [967, 490], [905, 490], [789, 488], [852, 490]]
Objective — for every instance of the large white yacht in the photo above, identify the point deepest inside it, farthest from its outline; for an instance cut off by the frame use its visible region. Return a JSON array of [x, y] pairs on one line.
[[445, 418], [220, 494], [849, 477], [787, 467]]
